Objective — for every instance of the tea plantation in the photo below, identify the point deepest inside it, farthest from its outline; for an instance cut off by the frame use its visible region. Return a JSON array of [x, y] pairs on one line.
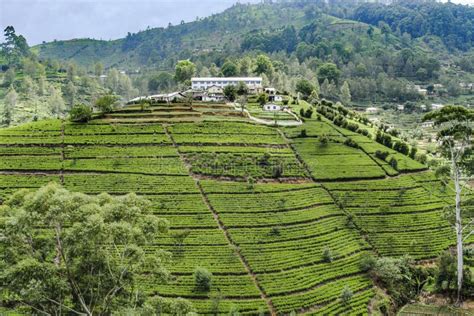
[[280, 218]]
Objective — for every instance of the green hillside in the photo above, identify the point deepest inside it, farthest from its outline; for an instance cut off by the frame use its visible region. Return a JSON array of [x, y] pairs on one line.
[[243, 28], [161, 47], [281, 220]]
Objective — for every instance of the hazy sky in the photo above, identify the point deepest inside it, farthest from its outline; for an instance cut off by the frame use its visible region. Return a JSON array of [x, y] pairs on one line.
[[46, 20]]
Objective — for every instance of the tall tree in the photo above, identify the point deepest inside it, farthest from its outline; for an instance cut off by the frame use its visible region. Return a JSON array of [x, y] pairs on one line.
[[328, 71], [15, 46], [454, 129], [229, 69], [345, 94], [86, 256], [56, 102], [264, 65], [98, 69], [184, 70], [69, 92], [9, 77], [9, 105]]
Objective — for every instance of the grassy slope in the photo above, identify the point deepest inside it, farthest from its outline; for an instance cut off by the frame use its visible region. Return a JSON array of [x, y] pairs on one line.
[[279, 229]]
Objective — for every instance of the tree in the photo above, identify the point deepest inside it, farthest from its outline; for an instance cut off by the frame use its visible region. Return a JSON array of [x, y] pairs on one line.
[[327, 255], [242, 88], [80, 113], [9, 77], [262, 99], [328, 71], [98, 69], [454, 130], [229, 69], [112, 81], [230, 92], [243, 102], [203, 279], [29, 88], [15, 46], [264, 65], [161, 82], [346, 295], [86, 256], [345, 94], [305, 87], [184, 70], [9, 104], [106, 103], [71, 72], [56, 102], [69, 92]]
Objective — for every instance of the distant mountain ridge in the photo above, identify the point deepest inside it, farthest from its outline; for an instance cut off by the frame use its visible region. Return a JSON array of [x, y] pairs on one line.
[[226, 31]]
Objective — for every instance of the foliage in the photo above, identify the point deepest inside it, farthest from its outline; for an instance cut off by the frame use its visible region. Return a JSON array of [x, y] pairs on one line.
[[328, 71], [229, 69], [80, 113], [184, 70], [203, 279], [262, 99], [163, 81], [346, 295], [421, 18], [400, 276], [305, 87], [106, 103], [230, 92], [87, 253]]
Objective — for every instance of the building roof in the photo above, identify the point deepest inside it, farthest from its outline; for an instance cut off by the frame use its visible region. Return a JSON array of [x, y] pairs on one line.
[[226, 79]]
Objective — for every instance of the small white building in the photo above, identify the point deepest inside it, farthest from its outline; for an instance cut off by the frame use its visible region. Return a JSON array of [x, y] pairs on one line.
[[371, 110], [272, 107], [436, 106], [167, 97], [400, 107]]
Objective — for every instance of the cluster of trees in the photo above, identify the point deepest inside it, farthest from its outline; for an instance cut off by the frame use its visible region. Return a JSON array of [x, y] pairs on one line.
[[86, 257], [452, 23], [37, 89]]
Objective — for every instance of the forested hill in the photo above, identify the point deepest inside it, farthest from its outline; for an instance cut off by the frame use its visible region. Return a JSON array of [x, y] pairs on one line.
[[454, 24], [283, 26], [214, 34]]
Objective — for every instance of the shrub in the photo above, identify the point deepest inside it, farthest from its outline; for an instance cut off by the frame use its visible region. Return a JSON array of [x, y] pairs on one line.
[[346, 295], [393, 163], [422, 158], [351, 143], [401, 147], [203, 279], [327, 255], [106, 103], [323, 140], [275, 231], [80, 113], [303, 133], [277, 170], [381, 154]]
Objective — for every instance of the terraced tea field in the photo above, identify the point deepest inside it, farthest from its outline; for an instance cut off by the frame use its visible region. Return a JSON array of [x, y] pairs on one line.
[[261, 207]]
